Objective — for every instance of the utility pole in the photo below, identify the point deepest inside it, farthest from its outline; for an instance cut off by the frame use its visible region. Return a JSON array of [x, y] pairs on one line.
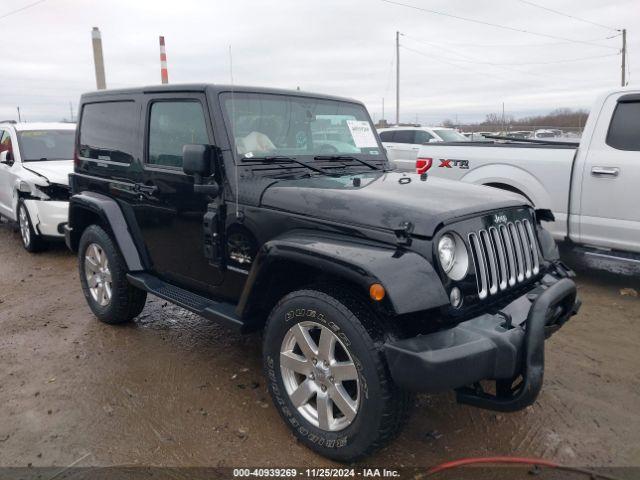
[[19, 117], [98, 60], [397, 78], [503, 129], [624, 56], [70, 112], [382, 108]]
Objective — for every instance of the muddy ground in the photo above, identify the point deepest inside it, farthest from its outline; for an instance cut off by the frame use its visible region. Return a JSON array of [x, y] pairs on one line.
[[172, 389]]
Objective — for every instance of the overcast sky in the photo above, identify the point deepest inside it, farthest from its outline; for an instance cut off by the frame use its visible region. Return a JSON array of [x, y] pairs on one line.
[[449, 67]]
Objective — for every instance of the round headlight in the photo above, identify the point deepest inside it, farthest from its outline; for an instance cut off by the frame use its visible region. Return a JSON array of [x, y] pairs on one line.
[[453, 256], [447, 252]]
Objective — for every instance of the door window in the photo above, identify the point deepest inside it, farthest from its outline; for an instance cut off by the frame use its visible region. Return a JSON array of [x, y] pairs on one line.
[[404, 136], [171, 126], [624, 133], [387, 136], [108, 131], [423, 137], [5, 141]]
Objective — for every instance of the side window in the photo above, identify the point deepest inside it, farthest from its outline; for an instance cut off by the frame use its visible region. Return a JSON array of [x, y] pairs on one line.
[[171, 126], [403, 136], [624, 133], [423, 137], [5, 141], [387, 136], [108, 131]]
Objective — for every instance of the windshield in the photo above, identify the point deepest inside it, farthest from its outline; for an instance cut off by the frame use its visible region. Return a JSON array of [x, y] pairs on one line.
[[268, 125], [46, 144], [450, 135]]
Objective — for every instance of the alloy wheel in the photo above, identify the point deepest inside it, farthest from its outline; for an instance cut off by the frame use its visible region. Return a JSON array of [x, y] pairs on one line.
[[320, 376], [98, 274], [25, 228]]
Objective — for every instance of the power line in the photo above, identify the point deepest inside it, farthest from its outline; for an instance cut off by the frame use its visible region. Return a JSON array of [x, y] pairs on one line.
[[496, 25], [524, 45], [21, 9], [542, 7], [570, 60], [448, 62], [497, 64], [502, 67]]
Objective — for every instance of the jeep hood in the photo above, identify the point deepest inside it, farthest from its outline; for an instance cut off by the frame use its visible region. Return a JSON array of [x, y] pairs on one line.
[[386, 200], [55, 171]]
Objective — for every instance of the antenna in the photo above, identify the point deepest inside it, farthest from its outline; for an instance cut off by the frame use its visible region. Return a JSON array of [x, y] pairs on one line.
[[233, 134]]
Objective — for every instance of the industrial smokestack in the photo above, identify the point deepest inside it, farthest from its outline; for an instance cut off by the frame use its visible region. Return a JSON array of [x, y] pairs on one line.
[[98, 61], [164, 74]]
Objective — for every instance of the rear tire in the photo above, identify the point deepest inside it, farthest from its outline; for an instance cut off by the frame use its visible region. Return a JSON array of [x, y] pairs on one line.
[[103, 276], [31, 241], [300, 381]]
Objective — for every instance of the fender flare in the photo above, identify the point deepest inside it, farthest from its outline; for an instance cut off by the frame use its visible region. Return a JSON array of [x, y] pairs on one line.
[[110, 214], [410, 281], [513, 176]]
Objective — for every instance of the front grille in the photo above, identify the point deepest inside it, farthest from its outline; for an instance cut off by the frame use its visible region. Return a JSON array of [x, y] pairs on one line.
[[504, 255]]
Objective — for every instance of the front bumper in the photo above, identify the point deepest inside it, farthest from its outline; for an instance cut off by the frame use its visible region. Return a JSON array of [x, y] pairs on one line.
[[48, 216], [500, 346]]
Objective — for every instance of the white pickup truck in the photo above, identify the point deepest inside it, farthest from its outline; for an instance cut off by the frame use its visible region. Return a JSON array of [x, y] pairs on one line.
[[592, 188]]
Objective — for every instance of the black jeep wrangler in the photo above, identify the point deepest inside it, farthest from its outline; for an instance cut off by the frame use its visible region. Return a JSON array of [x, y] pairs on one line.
[[278, 210]]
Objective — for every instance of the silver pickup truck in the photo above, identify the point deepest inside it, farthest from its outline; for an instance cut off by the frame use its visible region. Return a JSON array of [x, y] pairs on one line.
[[592, 188]]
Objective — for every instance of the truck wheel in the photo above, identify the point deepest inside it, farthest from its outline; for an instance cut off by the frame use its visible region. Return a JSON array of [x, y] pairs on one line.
[[103, 278], [328, 376], [31, 241]]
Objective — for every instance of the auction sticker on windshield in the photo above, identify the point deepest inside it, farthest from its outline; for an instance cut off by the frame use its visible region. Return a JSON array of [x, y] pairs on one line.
[[362, 134]]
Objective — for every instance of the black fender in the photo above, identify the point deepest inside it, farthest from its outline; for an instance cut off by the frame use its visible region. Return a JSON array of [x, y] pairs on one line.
[[410, 281], [111, 215]]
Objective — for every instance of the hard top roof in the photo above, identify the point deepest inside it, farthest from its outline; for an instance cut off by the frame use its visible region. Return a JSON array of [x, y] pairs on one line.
[[212, 89]]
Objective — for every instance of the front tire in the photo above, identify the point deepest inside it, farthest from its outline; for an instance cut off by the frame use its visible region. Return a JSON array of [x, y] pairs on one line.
[[328, 376], [103, 276], [31, 241]]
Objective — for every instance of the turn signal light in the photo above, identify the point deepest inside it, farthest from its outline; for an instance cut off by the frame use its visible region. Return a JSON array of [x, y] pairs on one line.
[[377, 292], [423, 164]]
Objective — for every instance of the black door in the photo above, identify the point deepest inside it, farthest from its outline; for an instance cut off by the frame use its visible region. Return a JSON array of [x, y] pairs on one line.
[[168, 212]]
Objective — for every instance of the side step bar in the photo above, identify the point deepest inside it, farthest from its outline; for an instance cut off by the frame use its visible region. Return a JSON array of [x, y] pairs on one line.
[[221, 312], [625, 263]]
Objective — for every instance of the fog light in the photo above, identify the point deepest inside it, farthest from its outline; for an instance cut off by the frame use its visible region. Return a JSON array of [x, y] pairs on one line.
[[456, 297]]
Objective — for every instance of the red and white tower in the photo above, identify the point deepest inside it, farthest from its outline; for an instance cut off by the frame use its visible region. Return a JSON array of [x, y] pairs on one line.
[[163, 62]]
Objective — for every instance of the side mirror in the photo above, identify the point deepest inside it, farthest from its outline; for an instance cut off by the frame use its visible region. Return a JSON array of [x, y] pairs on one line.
[[6, 157], [196, 160]]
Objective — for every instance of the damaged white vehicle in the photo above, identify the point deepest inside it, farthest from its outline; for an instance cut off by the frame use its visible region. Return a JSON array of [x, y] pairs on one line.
[[35, 162]]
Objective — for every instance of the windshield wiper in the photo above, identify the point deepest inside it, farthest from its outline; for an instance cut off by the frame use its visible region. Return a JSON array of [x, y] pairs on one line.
[[285, 159], [346, 157]]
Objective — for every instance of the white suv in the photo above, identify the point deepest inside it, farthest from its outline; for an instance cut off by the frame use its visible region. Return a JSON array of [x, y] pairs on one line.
[[404, 142], [35, 162]]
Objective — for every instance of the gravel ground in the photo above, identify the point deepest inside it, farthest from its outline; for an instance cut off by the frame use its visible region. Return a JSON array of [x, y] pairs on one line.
[[172, 389]]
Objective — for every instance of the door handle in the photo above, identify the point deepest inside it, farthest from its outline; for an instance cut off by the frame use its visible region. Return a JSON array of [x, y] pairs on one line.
[[142, 188], [415, 148], [605, 171]]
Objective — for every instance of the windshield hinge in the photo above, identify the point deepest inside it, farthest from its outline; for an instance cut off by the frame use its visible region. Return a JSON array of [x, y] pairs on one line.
[[403, 233]]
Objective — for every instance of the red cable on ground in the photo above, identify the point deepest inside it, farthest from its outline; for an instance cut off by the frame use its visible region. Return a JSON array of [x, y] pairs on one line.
[[503, 460]]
